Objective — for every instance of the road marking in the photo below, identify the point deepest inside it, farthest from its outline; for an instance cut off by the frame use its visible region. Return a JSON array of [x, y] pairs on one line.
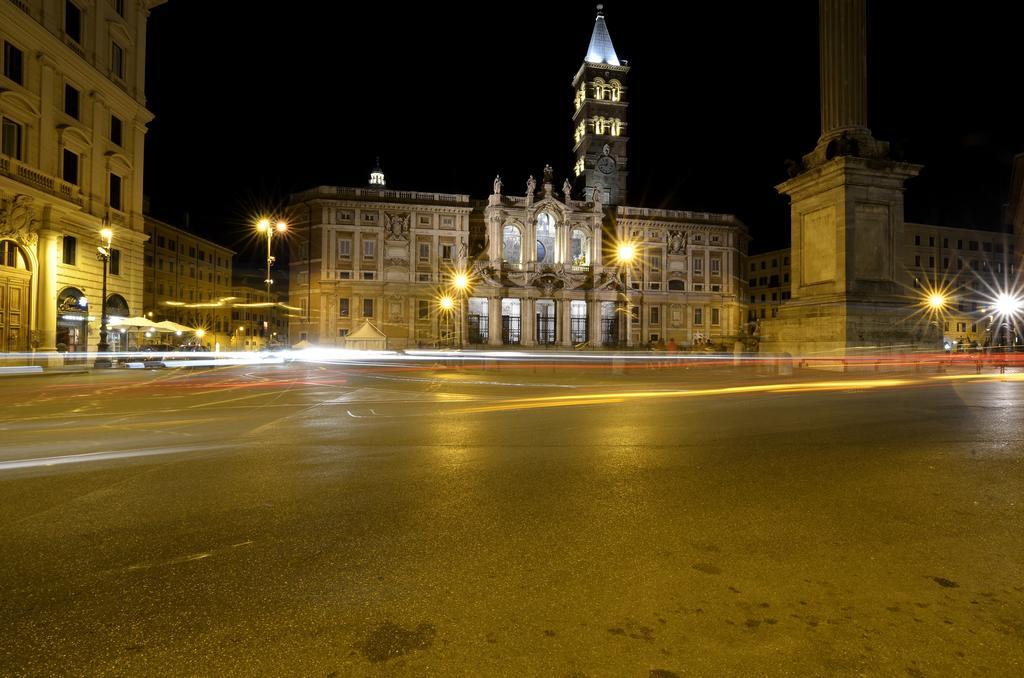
[[105, 456]]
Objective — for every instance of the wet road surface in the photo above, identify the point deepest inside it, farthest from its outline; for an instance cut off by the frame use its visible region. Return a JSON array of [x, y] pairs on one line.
[[337, 520]]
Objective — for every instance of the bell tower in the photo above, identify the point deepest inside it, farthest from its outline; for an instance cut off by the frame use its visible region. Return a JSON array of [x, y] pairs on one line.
[[599, 120]]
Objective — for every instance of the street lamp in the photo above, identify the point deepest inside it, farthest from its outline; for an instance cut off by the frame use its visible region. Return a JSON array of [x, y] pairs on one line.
[[103, 254], [625, 254], [460, 283], [446, 304], [264, 226]]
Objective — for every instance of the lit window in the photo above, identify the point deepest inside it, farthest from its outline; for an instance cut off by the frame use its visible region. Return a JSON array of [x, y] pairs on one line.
[[344, 248], [545, 238], [369, 249], [512, 244], [580, 241]]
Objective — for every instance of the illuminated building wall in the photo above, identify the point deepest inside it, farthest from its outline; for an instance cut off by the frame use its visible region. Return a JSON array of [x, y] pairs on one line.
[[73, 115]]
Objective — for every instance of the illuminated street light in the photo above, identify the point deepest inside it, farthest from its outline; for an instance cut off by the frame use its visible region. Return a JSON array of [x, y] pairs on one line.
[[1008, 305], [263, 226], [625, 254], [937, 301], [446, 303], [461, 284]]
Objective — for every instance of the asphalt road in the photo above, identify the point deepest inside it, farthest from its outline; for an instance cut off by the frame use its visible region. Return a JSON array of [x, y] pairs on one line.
[[376, 521]]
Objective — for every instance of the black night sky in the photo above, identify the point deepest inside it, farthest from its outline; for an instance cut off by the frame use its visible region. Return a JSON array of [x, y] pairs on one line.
[[254, 100]]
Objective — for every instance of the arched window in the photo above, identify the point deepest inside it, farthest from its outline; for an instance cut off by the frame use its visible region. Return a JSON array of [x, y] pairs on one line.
[[117, 307], [512, 244], [614, 90], [598, 89], [545, 238], [580, 242], [12, 256]]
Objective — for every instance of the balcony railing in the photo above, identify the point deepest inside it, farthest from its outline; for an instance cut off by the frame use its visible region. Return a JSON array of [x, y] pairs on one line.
[[26, 174]]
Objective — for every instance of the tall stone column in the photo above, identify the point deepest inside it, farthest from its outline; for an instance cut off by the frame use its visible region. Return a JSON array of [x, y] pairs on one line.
[[46, 303], [564, 322], [494, 321], [843, 53], [528, 323]]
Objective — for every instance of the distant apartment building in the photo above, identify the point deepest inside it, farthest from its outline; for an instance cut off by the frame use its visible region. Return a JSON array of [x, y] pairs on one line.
[[258, 321], [768, 285], [969, 267], [188, 279], [72, 128]]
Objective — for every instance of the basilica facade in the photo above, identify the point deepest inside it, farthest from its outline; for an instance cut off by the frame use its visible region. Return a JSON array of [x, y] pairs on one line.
[[540, 267]]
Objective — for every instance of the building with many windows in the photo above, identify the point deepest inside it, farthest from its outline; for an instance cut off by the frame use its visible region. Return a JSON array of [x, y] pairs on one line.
[[373, 254], [542, 266], [188, 279], [72, 128], [768, 285]]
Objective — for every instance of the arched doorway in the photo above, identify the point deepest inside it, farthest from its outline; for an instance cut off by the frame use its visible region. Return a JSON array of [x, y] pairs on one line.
[[15, 277], [117, 307], [72, 321]]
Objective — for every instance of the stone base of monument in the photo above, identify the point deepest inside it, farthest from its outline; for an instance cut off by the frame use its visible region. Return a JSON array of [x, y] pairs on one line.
[[816, 333]]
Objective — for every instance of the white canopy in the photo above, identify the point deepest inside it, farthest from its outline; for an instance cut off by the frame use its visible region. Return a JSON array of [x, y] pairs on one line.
[[131, 322], [171, 326], [367, 337]]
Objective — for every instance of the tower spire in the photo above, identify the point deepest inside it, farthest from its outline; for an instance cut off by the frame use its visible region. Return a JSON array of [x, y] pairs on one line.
[[601, 50]]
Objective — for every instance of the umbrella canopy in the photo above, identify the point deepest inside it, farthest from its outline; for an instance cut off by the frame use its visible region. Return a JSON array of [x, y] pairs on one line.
[[131, 322], [171, 326]]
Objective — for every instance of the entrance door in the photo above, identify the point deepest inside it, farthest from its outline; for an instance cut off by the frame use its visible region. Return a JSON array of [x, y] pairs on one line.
[[545, 321], [14, 283], [13, 315]]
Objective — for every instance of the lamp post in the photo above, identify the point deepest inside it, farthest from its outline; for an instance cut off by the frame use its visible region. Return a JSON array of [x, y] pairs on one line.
[[264, 226], [625, 254], [447, 304], [460, 282], [103, 254]]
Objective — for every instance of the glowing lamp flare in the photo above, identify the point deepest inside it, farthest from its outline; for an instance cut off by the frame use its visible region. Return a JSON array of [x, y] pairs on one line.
[[281, 227], [446, 303], [1007, 305], [460, 281], [936, 301], [626, 252], [263, 225]]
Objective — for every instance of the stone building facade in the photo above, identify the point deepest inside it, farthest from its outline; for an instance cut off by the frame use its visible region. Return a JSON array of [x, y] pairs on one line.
[[373, 254], [541, 264], [73, 115]]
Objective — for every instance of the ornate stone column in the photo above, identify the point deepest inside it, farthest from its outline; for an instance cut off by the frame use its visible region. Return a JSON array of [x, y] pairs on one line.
[[494, 321], [46, 303], [843, 56]]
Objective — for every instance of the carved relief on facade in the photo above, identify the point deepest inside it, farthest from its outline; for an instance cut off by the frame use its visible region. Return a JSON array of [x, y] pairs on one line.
[[397, 226], [18, 221], [676, 242]]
